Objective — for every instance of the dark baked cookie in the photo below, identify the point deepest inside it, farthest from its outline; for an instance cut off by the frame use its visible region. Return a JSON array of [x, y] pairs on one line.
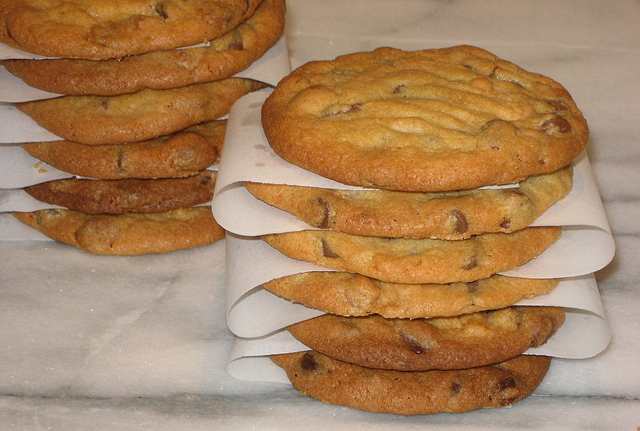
[[182, 154], [116, 28], [442, 343], [223, 57], [413, 261], [350, 294], [139, 116], [128, 234], [433, 120], [128, 195], [445, 215], [417, 392]]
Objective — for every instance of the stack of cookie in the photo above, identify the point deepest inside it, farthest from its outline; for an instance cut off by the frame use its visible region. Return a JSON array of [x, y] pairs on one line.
[[145, 86], [457, 153]]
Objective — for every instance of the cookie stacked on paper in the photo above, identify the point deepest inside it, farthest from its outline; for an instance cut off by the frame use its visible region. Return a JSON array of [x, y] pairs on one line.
[[458, 152], [144, 89]]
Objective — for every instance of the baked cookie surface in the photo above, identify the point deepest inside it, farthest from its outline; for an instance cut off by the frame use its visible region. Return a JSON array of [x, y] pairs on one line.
[[128, 234], [433, 120], [182, 154], [116, 28], [147, 114], [223, 57], [413, 261], [349, 294], [127, 195], [417, 392], [442, 343], [445, 215]]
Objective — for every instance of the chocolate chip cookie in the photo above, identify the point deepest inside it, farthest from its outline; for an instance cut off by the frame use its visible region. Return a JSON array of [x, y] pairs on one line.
[[127, 195], [433, 120], [116, 28], [444, 215], [140, 116], [350, 294], [442, 343], [128, 234], [417, 392], [414, 261], [182, 154]]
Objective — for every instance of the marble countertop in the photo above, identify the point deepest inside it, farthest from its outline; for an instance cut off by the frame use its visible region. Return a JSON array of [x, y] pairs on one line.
[[90, 342]]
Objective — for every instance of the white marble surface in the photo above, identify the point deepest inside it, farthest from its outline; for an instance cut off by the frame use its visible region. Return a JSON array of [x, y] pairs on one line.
[[91, 342]]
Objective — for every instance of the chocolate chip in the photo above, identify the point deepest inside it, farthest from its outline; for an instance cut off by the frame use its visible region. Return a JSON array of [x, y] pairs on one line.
[[205, 180], [399, 89], [235, 46], [120, 161], [473, 286], [506, 383], [324, 224], [471, 263], [414, 345], [356, 107], [161, 11], [462, 225], [104, 102], [556, 125], [558, 105], [308, 362], [505, 223], [327, 251], [455, 388]]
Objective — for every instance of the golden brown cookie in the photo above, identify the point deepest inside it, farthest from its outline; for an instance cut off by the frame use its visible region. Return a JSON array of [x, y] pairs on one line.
[[116, 28], [128, 234], [417, 392], [432, 120], [350, 294], [414, 261], [445, 215], [182, 154], [442, 343], [223, 57], [128, 195], [140, 116]]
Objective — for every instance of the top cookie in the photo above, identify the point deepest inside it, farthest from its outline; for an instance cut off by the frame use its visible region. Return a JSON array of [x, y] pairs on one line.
[[433, 120], [116, 28]]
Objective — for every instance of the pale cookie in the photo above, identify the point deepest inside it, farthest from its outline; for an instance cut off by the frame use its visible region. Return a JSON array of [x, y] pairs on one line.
[[222, 58], [128, 234], [349, 294], [433, 120], [415, 261], [140, 116], [417, 392], [445, 215], [127, 195], [182, 154], [443, 343], [116, 28]]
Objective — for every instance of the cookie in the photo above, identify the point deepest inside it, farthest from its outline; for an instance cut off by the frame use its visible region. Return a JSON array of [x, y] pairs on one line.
[[222, 58], [415, 261], [442, 343], [128, 195], [182, 154], [140, 116], [433, 120], [128, 234], [444, 215], [349, 294], [417, 392], [116, 28]]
